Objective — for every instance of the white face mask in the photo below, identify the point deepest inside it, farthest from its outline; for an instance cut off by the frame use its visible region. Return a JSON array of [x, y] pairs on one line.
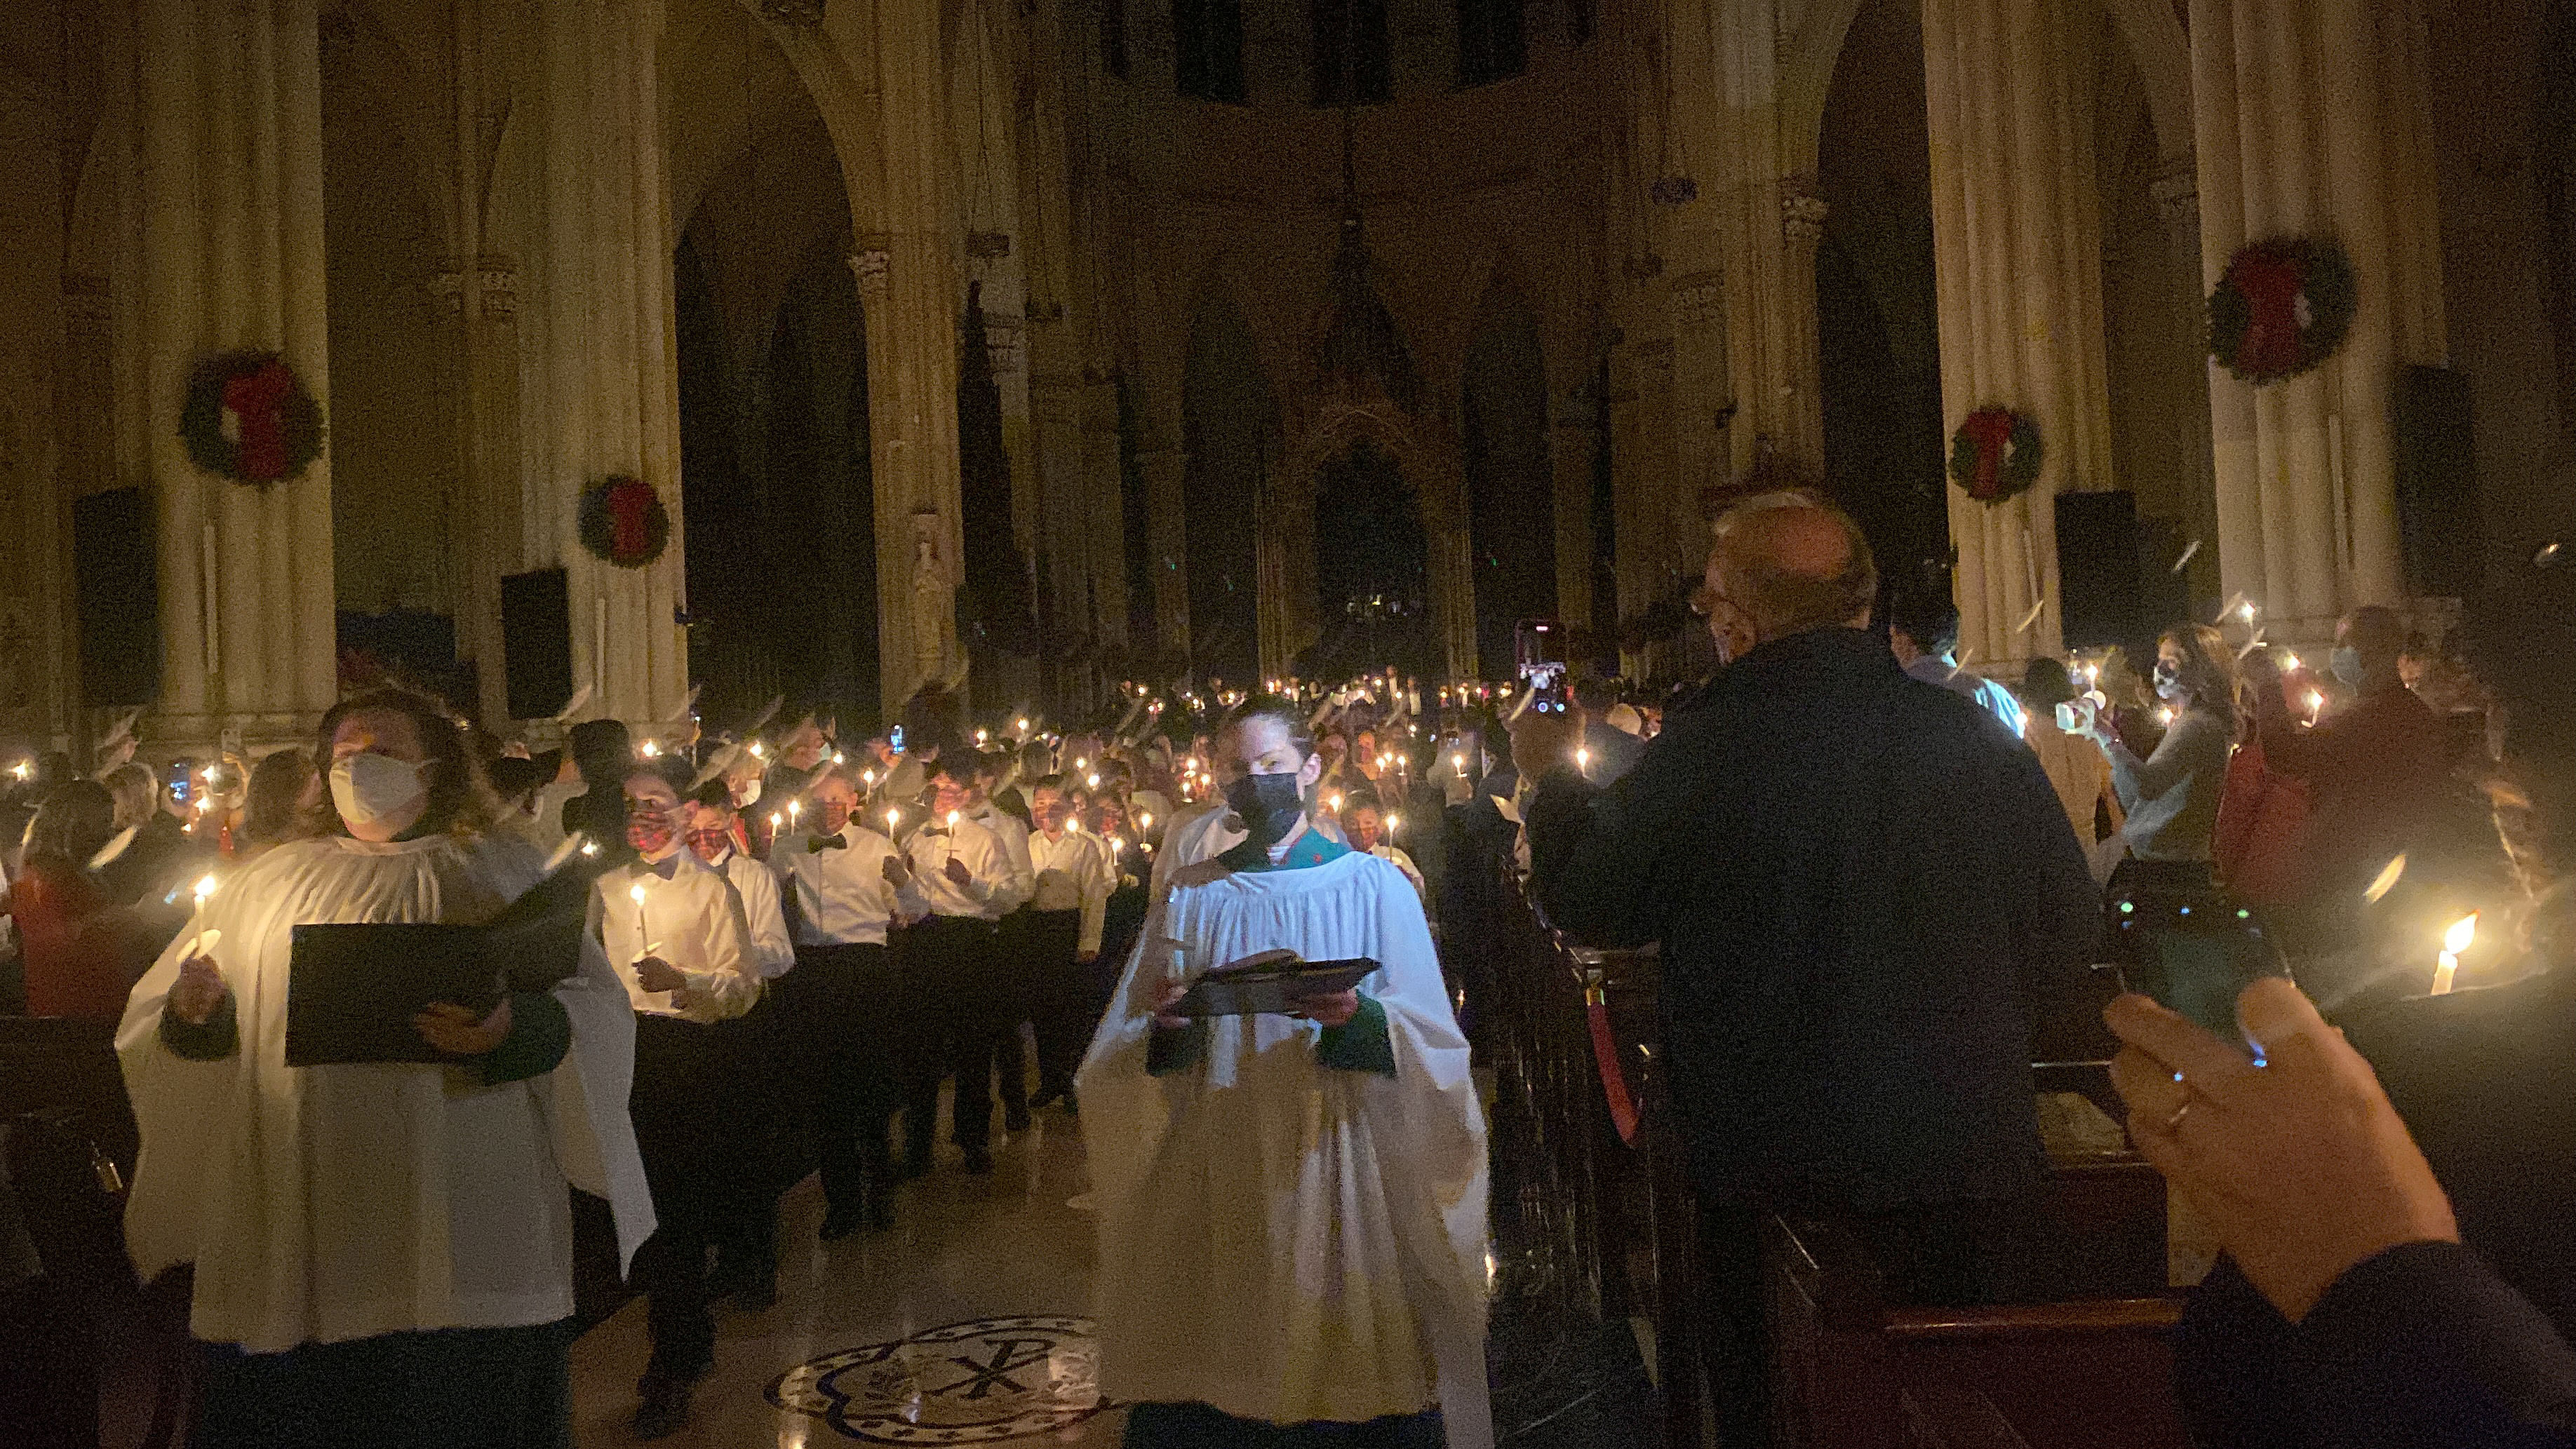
[[748, 795], [370, 787]]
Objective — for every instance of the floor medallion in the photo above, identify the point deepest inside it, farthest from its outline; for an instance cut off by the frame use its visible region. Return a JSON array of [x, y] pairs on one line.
[[985, 1381]]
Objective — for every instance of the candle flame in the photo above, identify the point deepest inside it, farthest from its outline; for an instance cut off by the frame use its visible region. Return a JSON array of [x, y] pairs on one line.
[[649, 749], [2463, 931], [205, 887], [637, 892]]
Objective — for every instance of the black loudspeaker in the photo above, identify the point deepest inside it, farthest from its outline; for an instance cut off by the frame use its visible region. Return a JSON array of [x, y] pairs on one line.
[[116, 580], [2437, 485], [536, 642], [2097, 568]]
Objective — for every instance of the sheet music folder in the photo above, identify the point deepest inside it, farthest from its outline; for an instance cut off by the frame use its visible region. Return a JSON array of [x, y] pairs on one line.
[[1270, 983], [352, 989]]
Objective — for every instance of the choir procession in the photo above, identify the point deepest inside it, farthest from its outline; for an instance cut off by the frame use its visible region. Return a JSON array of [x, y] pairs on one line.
[[1288, 724]]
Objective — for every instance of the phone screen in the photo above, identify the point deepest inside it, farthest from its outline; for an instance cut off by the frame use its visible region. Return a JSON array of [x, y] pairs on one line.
[[2195, 957], [895, 739], [181, 774]]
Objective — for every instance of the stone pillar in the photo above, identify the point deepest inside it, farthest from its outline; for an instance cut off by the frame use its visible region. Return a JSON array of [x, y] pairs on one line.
[[2308, 120], [2016, 233], [1571, 440], [1105, 492], [1773, 221], [2177, 196], [85, 434], [228, 108], [1797, 370], [483, 535], [1066, 519], [912, 299], [1168, 539]]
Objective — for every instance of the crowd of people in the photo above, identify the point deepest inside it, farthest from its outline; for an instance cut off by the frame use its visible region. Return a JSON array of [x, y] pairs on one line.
[[1879, 879]]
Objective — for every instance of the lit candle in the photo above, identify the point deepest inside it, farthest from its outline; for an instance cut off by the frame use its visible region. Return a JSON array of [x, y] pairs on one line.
[[2245, 611], [649, 749], [1145, 820], [1394, 823], [2316, 702], [1092, 780], [839, 759], [757, 752], [775, 821], [795, 813], [893, 818], [2454, 941], [24, 770], [1582, 758], [205, 887], [637, 891], [2290, 662]]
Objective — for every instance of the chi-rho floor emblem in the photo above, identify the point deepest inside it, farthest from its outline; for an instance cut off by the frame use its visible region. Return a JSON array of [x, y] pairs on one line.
[[980, 1382]]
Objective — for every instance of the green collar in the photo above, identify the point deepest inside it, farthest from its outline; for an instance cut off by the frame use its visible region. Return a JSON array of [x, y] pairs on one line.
[[1312, 849]]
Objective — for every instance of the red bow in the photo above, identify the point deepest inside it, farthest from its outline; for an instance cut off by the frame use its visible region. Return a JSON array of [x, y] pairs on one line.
[[1988, 430], [628, 506], [2270, 283], [257, 399]]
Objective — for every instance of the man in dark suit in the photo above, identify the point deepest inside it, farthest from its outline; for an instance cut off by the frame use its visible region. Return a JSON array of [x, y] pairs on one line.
[[1865, 893]]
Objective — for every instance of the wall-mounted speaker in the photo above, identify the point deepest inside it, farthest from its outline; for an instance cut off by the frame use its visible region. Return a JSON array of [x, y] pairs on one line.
[[2437, 485], [2098, 592], [536, 642], [116, 587]]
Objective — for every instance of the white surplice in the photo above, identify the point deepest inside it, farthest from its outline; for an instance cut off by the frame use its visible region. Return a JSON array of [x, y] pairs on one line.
[[330, 1203], [1280, 1239]]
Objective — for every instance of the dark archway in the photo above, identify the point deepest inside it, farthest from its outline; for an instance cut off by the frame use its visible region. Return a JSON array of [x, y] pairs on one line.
[[1372, 571], [1877, 311], [1228, 421], [1511, 489]]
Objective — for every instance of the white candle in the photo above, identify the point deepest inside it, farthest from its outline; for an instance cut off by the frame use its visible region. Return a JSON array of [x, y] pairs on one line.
[[637, 892], [2454, 941]]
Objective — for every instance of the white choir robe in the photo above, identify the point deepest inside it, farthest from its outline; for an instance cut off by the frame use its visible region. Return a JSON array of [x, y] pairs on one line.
[[329, 1203], [1210, 831], [1074, 873], [1280, 1239], [694, 921], [762, 910]]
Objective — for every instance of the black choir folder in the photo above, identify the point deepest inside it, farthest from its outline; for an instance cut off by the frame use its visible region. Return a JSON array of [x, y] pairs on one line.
[[1269, 983], [353, 989]]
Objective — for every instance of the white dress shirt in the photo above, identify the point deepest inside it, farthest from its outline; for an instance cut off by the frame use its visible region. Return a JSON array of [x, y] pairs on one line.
[[842, 898], [1014, 836], [762, 910], [1073, 874], [988, 892], [695, 921]]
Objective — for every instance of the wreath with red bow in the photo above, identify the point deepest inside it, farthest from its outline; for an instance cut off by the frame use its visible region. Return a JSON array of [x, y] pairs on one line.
[[623, 521], [2282, 307], [1995, 454], [248, 418]]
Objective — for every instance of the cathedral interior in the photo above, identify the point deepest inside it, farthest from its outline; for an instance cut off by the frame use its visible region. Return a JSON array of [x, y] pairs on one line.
[[636, 360]]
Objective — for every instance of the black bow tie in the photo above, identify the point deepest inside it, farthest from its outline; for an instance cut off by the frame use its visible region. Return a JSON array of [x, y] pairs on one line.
[[934, 830], [826, 842], [667, 868]]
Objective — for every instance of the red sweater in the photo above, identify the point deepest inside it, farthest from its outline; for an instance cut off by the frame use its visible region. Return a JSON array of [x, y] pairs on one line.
[[82, 955]]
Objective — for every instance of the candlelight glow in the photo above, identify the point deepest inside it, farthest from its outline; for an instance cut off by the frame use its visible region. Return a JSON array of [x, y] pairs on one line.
[[756, 750], [24, 770], [1583, 759], [2245, 611], [205, 887], [2316, 702], [952, 819], [649, 749], [637, 892], [2290, 662], [2463, 931], [1394, 823], [839, 759]]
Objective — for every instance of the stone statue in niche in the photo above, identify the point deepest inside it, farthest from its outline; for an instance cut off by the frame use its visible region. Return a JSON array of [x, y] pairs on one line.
[[934, 601]]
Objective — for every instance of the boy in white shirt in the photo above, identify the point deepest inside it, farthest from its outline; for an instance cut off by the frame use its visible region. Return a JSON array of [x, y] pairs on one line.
[[1074, 879]]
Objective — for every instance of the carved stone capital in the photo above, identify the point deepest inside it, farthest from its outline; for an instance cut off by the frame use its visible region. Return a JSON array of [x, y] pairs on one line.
[[2176, 190], [1699, 300], [1002, 341], [870, 266], [1802, 218], [495, 282]]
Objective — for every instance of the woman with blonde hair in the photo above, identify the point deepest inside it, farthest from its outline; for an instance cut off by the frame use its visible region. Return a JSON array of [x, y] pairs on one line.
[[2171, 794]]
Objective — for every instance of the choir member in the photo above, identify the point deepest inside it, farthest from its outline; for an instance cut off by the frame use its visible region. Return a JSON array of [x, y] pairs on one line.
[[1073, 881], [953, 973]]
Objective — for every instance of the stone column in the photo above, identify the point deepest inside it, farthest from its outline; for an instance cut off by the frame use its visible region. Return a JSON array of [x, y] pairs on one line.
[[912, 301], [2016, 233], [1105, 493], [484, 533], [1168, 539], [2177, 196], [228, 109], [85, 433], [2308, 122], [1772, 224], [1571, 440], [1796, 374], [599, 335]]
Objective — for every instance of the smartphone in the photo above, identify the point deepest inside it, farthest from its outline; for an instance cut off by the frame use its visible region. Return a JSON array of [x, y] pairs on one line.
[[182, 779], [1538, 648], [2074, 715], [894, 739], [2194, 952]]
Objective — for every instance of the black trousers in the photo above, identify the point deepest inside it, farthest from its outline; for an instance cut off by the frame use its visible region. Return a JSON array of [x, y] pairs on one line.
[[845, 1010], [696, 1163], [1059, 995], [956, 1014], [1016, 1002]]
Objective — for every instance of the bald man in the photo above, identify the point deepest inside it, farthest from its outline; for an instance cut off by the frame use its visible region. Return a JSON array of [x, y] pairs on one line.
[[1865, 892]]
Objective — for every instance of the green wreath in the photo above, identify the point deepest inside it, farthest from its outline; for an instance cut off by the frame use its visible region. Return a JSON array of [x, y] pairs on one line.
[[248, 417], [1995, 454], [623, 521], [2282, 307]]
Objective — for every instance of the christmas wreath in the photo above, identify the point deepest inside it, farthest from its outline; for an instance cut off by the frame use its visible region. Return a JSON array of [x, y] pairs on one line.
[[2282, 307], [1995, 454], [623, 521], [248, 418]]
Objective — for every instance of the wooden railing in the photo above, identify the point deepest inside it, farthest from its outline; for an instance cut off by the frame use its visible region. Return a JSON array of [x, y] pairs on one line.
[[1604, 1202]]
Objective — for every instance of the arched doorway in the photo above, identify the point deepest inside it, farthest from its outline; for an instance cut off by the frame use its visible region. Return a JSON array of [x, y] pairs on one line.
[[1877, 316], [1511, 488], [1372, 571]]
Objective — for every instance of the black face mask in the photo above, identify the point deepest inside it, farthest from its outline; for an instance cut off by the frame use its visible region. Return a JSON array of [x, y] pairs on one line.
[[1269, 806]]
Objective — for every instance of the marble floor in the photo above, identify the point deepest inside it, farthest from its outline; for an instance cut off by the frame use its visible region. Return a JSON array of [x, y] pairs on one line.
[[1003, 1252]]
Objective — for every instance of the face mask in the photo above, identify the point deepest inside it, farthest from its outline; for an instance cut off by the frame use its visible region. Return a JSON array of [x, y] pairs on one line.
[[710, 843], [831, 816], [648, 829], [369, 787], [748, 795], [2168, 680], [1268, 805], [2346, 664]]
